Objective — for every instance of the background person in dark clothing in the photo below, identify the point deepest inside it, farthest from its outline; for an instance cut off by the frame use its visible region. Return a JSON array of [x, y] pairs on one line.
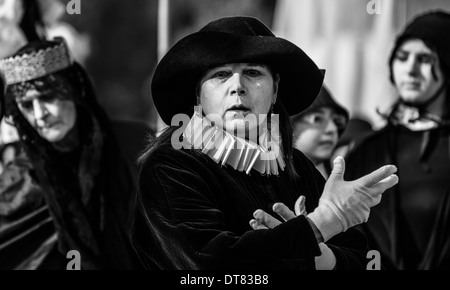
[[318, 129], [86, 184], [411, 225]]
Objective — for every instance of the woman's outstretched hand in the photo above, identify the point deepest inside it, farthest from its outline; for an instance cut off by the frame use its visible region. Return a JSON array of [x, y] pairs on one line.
[[345, 204]]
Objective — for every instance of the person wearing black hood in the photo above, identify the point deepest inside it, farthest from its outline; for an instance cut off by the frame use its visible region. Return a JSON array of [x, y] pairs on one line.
[[318, 128], [411, 226], [86, 187]]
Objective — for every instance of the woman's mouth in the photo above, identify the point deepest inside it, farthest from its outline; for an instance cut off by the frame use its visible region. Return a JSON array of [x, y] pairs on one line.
[[46, 126], [238, 111], [326, 143], [414, 85]]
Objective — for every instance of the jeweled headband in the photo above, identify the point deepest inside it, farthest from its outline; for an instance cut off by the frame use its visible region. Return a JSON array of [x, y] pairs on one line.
[[31, 66]]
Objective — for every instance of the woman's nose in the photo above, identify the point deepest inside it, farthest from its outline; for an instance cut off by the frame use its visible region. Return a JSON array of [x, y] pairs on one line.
[[237, 86], [331, 127], [412, 66], [39, 110]]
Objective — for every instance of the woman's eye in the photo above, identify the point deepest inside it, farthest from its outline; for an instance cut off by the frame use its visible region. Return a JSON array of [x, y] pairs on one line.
[[46, 98], [253, 72], [426, 58], [339, 120], [402, 56], [220, 74], [315, 119], [318, 119], [27, 105]]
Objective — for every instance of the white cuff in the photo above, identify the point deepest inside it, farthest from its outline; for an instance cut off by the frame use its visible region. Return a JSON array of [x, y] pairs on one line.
[[327, 221]]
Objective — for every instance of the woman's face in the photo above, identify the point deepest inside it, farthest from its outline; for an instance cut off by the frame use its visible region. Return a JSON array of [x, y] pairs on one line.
[[417, 71], [316, 133], [238, 96], [51, 116]]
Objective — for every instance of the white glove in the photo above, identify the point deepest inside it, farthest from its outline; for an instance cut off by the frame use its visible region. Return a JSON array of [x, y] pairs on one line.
[[344, 204]]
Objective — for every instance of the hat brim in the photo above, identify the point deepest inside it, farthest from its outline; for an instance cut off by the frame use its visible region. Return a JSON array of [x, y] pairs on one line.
[[177, 74]]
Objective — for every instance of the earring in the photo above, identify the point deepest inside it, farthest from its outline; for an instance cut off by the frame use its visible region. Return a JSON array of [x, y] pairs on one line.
[[274, 130], [272, 121]]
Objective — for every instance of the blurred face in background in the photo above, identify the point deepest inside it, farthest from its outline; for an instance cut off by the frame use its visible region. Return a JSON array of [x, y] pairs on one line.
[[316, 133], [11, 10], [11, 35], [417, 72], [52, 115]]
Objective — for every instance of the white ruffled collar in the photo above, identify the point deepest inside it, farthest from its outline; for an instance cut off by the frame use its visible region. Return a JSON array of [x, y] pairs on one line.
[[227, 149], [415, 119]]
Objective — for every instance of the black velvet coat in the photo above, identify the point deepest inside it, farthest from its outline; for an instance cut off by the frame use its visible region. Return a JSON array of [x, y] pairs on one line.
[[38, 226], [194, 214], [88, 185]]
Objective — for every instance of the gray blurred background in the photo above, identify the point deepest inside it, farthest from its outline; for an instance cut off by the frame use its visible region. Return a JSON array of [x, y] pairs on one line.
[[123, 44], [119, 42]]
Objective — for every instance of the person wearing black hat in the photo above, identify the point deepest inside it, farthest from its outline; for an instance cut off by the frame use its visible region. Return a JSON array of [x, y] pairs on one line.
[[318, 128], [410, 227], [228, 91]]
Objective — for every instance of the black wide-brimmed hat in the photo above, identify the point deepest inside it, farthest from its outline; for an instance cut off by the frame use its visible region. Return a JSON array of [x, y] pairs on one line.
[[232, 40]]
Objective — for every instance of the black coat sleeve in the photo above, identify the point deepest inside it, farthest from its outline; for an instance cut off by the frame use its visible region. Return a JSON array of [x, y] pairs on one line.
[[187, 229]]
